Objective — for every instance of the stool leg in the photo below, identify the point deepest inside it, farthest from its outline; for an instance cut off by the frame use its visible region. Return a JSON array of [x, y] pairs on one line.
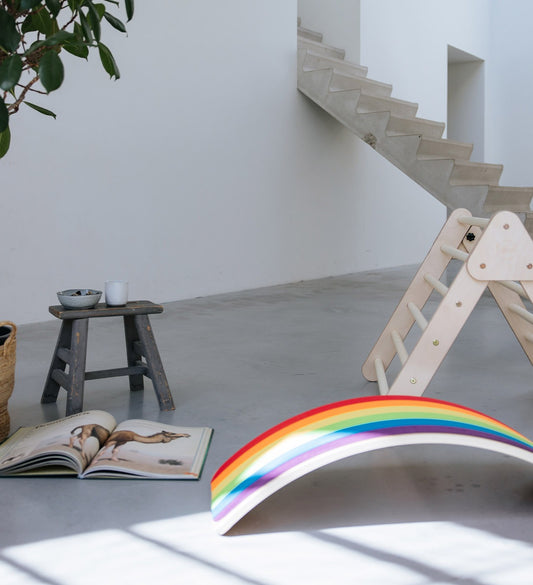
[[78, 347], [51, 386], [134, 357], [153, 362]]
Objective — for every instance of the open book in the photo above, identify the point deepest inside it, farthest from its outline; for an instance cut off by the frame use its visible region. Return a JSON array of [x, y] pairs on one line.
[[91, 444]]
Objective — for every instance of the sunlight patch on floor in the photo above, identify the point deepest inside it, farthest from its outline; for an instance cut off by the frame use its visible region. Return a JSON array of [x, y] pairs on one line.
[[447, 550], [107, 557], [188, 547]]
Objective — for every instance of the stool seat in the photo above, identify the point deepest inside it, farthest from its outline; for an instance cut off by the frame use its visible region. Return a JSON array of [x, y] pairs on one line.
[[71, 351], [103, 310]]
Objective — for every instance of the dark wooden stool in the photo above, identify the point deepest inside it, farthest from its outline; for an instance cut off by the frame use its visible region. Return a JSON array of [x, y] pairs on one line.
[[71, 350]]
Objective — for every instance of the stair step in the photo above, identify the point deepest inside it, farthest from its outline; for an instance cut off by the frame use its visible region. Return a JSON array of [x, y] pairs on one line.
[[430, 148], [516, 199], [414, 145], [315, 84], [312, 35], [315, 61], [475, 173], [340, 82], [366, 104], [321, 48], [396, 107], [399, 126], [342, 105]]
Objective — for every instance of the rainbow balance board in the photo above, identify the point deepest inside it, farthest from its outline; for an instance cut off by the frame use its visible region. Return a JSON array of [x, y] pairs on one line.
[[329, 433]]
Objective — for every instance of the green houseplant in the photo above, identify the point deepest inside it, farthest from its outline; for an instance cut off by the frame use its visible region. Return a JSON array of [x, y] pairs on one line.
[[34, 33]]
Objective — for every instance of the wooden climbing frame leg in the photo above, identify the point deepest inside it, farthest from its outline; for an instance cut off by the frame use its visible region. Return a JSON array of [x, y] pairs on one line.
[[418, 293], [506, 299], [439, 335], [497, 254], [509, 296]]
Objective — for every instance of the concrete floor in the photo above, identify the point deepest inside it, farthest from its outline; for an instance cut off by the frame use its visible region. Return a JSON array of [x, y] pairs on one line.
[[242, 363]]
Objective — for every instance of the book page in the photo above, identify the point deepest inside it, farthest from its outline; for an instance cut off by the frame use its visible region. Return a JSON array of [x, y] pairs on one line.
[[149, 449], [70, 442]]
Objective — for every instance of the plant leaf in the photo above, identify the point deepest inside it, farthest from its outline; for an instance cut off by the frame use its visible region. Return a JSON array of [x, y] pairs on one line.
[[74, 5], [108, 61], [54, 6], [43, 22], [77, 49], [78, 32], [94, 21], [86, 28], [4, 115], [41, 110], [5, 141], [9, 36], [58, 38], [115, 22], [28, 25], [29, 4], [100, 8], [10, 72], [51, 71], [129, 9]]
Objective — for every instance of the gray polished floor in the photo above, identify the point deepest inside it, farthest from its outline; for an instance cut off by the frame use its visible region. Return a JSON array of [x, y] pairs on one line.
[[242, 363]]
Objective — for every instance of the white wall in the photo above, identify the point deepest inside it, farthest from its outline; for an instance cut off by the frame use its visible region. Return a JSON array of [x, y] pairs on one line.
[[466, 105], [510, 90], [412, 59], [203, 170], [406, 44], [338, 20], [179, 177]]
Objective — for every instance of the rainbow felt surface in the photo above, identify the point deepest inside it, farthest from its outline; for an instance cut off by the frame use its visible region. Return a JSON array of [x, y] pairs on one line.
[[329, 433]]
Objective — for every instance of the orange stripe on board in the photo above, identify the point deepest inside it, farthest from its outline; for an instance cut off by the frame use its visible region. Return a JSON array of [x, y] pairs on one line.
[[380, 403]]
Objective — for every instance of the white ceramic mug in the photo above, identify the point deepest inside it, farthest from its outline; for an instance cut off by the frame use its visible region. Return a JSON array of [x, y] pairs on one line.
[[116, 293]]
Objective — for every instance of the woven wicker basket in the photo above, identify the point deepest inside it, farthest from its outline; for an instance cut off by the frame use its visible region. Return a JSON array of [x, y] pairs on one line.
[[7, 376]]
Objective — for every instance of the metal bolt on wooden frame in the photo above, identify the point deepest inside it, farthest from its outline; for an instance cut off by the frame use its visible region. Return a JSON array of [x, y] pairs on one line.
[[496, 253]]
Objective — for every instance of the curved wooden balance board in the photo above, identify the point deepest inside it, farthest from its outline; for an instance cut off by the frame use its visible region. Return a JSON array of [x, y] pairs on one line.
[[332, 432]]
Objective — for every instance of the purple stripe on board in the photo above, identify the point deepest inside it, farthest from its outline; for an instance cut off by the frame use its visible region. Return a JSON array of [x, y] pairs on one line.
[[238, 495]]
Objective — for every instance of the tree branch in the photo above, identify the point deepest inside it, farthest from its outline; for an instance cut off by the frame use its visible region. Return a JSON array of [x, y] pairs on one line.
[[14, 107]]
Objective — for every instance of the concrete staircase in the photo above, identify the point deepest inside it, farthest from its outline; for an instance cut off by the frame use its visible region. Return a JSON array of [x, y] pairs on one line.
[[390, 126]]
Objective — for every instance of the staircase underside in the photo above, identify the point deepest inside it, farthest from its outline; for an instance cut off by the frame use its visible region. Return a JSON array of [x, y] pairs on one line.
[[390, 126]]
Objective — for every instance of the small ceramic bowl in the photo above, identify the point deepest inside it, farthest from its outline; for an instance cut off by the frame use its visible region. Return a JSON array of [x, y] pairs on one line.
[[79, 298]]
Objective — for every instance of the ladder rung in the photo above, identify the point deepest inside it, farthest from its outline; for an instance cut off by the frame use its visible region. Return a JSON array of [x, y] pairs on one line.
[[514, 286], [442, 289], [454, 252], [383, 385], [417, 315], [400, 347], [521, 312], [477, 221]]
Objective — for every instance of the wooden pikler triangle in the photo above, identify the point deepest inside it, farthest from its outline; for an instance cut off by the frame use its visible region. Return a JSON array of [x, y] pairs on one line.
[[496, 254]]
